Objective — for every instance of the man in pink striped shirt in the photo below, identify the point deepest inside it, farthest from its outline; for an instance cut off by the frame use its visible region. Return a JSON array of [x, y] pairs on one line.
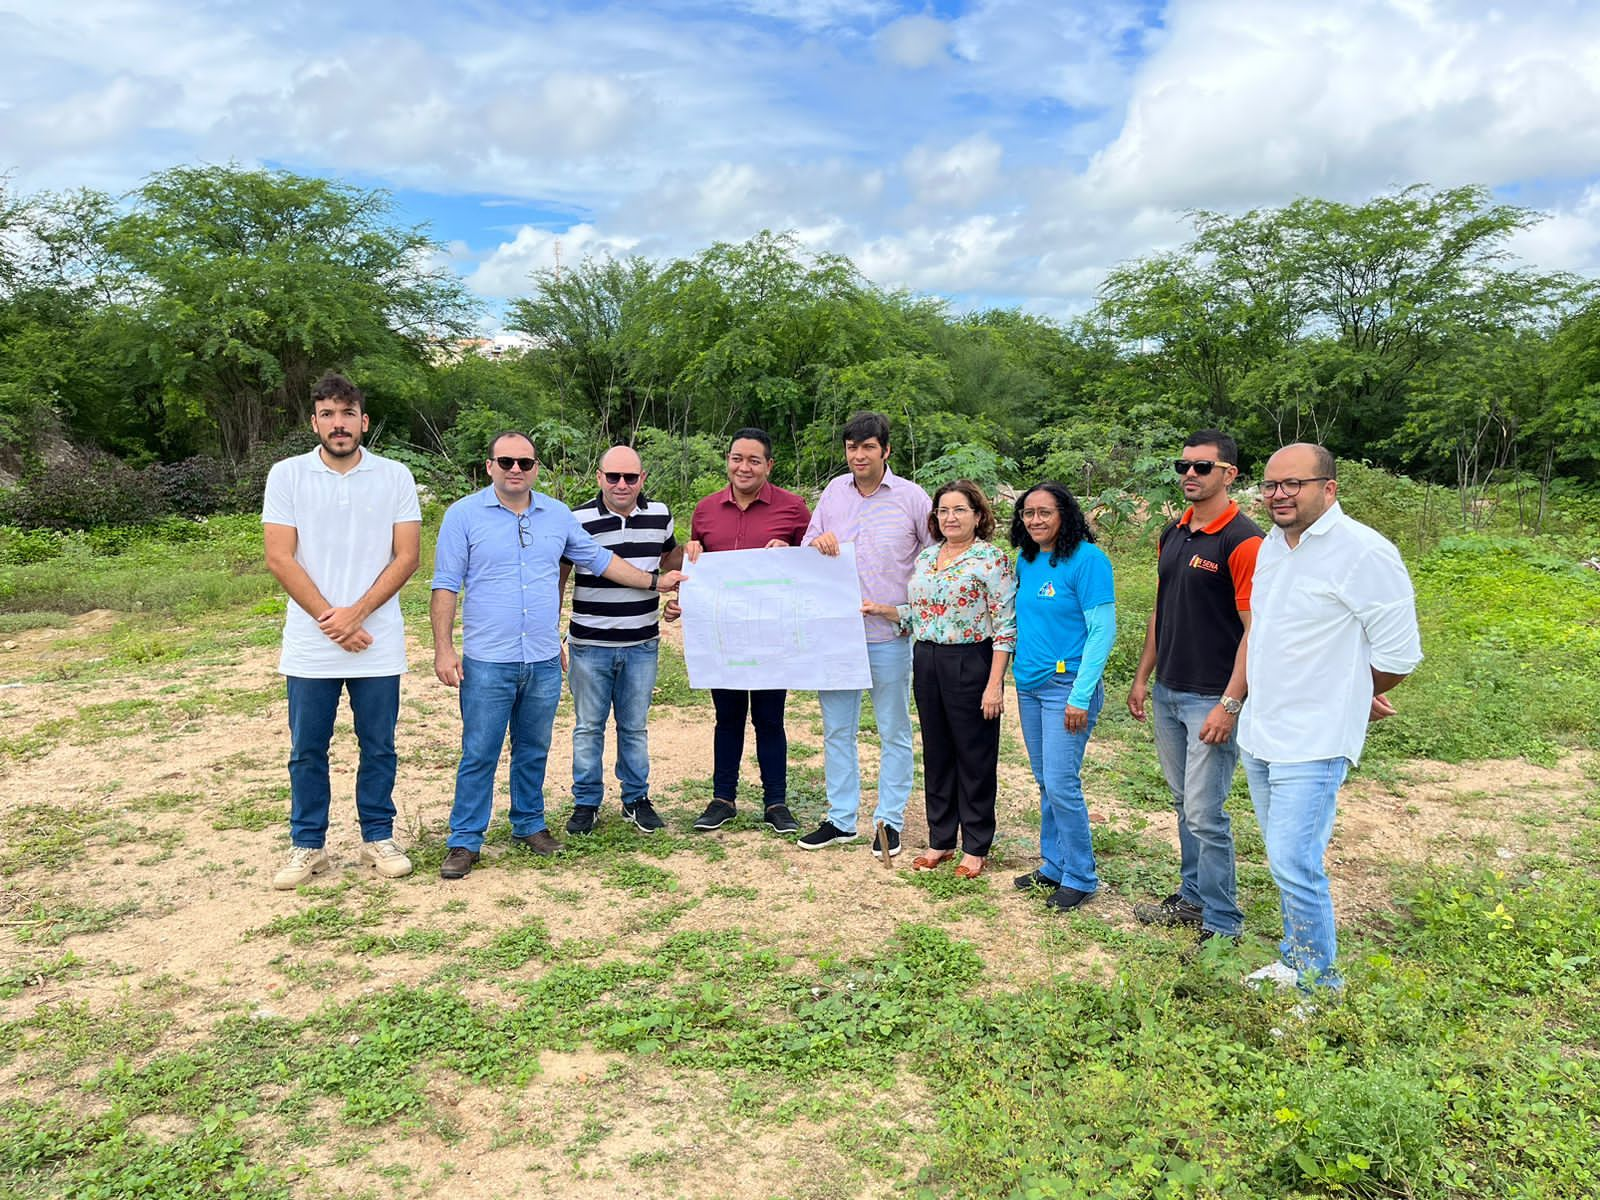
[[887, 519]]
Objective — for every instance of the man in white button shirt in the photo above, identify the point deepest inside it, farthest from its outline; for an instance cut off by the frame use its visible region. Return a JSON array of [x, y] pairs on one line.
[[342, 528], [1334, 628]]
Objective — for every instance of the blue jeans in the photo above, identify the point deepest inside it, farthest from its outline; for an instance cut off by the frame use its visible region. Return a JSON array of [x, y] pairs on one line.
[[1056, 757], [494, 696], [1294, 805], [890, 663], [604, 679], [1199, 776], [313, 703]]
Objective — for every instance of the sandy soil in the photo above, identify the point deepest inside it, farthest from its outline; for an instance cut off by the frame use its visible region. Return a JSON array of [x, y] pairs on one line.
[[147, 795]]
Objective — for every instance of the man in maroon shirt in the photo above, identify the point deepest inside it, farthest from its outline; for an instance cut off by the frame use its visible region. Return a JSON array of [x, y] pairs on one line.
[[750, 513]]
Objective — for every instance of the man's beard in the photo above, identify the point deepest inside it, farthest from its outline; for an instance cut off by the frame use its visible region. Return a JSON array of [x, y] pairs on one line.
[[355, 444]]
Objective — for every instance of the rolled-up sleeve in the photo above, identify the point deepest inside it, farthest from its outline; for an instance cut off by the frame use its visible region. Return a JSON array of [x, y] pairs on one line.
[[1380, 595], [450, 552]]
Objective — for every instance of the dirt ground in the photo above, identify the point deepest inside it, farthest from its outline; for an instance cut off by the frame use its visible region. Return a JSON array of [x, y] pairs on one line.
[[144, 767]]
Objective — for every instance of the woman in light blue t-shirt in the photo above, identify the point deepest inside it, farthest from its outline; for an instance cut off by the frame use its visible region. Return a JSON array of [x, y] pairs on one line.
[[1066, 622]]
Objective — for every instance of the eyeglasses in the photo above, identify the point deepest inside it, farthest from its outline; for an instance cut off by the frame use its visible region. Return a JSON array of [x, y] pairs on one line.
[[628, 477], [1289, 487], [505, 462], [1200, 466], [952, 512], [524, 531], [1039, 514]]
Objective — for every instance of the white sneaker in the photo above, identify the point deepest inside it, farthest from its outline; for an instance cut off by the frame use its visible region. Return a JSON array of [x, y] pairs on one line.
[[386, 858], [1277, 973], [304, 862]]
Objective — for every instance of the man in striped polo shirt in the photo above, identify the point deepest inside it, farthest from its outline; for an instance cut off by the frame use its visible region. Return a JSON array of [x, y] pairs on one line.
[[612, 642]]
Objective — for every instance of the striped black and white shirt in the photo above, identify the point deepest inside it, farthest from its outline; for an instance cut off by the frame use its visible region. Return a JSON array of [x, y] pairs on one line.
[[606, 613]]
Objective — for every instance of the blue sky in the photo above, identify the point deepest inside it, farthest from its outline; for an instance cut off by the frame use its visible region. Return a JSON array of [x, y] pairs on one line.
[[990, 151]]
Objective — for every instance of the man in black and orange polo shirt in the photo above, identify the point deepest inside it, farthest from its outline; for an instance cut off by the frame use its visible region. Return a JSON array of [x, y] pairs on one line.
[[1206, 561]]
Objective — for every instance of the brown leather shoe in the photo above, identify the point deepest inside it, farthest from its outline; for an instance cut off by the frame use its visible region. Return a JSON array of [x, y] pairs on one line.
[[539, 843], [457, 863]]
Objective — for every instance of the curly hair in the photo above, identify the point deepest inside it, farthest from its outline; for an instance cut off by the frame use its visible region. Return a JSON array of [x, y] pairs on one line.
[[975, 497], [1074, 525]]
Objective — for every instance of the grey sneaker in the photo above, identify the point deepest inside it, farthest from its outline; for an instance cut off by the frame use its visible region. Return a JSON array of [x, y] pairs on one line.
[[386, 858], [304, 862]]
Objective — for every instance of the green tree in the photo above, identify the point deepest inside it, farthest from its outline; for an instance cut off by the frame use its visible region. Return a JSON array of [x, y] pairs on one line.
[[250, 283]]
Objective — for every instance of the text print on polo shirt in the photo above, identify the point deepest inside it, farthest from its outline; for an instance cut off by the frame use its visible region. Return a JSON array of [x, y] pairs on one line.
[[1204, 564]]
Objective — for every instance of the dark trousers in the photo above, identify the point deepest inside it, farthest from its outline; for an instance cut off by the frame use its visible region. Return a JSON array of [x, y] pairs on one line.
[[960, 748], [765, 709]]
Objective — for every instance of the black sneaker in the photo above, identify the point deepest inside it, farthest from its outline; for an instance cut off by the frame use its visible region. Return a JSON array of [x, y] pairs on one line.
[[1174, 910], [643, 815], [780, 820], [1065, 897], [826, 834], [1035, 879], [583, 818], [717, 814], [885, 834]]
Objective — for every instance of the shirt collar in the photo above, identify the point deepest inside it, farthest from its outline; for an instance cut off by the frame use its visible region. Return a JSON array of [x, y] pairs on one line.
[[536, 499], [1216, 526], [764, 496], [1326, 522], [362, 463], [889, 478]]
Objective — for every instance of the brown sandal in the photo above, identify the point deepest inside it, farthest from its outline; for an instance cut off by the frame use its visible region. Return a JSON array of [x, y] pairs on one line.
[[929, 861], [965, 872]]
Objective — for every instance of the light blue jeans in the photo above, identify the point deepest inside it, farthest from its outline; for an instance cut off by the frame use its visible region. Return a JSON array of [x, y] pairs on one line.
[[1199, 775], [890, 663], [1056, 757], [606, 679], [1294, 805], [496, 696]]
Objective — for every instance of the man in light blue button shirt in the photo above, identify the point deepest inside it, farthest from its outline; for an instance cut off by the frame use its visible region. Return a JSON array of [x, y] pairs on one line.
[[504, 547]]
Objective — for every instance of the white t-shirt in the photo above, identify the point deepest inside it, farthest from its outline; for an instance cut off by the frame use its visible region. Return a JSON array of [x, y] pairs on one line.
[[344, 527], [1322, 616]]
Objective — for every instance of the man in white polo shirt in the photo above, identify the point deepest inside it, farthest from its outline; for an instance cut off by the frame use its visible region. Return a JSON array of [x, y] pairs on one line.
[[1334, 628], [342, 528]]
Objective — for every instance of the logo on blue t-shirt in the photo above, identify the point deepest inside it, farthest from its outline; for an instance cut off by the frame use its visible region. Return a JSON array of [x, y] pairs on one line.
[[1048, 591]]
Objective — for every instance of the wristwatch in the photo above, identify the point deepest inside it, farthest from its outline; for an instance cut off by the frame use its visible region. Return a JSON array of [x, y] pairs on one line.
[[655, 580], [1231, 706]]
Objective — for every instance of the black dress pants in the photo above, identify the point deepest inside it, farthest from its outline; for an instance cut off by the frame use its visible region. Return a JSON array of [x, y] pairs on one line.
[[960, 747], [765, 709]]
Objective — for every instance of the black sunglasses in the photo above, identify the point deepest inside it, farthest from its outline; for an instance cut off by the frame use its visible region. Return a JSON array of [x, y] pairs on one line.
[[628, 477], [1201, 467], [505, 462]]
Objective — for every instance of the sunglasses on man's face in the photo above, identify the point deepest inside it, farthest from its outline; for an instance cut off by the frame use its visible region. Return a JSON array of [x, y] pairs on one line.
[[628, 477], [1200, 466], [505, 462]]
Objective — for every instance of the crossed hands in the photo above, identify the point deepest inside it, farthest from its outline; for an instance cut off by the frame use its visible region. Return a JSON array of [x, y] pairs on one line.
[[343, 628]]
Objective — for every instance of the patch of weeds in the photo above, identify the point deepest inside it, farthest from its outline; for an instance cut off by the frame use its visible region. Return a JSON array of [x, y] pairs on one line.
[[412, 941], [69, 1033], [46, 835], [657, 919], [638, 879], [330, 921], [38, 972], [259, 810], [515, 947], [51, 925], [163, 802], [730, 891], [672, 688], [21, 622]]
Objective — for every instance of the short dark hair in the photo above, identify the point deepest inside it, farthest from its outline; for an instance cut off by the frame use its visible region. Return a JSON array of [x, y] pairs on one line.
[[1226, 446], [975, 497], [752, 434], [505, 433], [334, 386], [1074, 525], [865, 426]]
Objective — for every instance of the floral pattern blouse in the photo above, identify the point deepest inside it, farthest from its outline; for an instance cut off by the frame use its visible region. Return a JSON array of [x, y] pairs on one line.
[[971, 599]]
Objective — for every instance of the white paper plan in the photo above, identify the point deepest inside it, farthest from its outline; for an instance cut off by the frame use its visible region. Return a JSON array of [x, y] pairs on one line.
[[788, 617]]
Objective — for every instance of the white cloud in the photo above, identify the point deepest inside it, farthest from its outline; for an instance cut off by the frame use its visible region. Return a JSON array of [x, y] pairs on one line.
[[961, 175], [914, 42], [508, 270]]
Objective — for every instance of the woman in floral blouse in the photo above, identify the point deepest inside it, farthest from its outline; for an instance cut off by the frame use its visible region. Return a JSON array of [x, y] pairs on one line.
[[962, 619]]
